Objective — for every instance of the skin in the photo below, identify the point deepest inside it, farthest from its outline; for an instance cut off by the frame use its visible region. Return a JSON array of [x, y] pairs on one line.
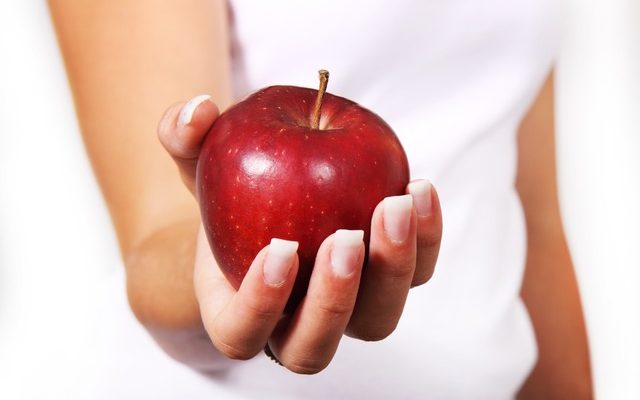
[[122, 78], [549, 290]]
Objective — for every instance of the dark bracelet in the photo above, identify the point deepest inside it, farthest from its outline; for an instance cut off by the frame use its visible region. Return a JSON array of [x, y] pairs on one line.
[[269, 353]]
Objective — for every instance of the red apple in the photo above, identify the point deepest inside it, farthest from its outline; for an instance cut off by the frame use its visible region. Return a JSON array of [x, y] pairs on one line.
[[293, 163]]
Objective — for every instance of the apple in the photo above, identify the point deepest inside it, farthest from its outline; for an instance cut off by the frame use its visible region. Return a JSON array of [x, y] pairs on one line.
[[297, 164]]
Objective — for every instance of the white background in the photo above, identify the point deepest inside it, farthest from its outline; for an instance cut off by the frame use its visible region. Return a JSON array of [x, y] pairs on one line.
[[56, 243]]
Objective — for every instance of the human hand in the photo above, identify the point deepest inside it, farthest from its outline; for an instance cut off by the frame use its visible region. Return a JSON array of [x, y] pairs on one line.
[[341, 298]]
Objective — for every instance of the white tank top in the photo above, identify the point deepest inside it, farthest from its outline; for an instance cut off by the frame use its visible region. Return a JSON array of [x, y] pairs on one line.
[[453, 79]]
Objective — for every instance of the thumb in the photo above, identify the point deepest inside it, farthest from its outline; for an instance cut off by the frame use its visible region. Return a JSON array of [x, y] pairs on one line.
[[182, 130]]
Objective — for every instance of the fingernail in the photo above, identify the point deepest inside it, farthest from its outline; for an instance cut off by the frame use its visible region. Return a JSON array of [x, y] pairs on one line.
[[397, 217], [421, 192], [279, 261], [186, 114], [345, 251]]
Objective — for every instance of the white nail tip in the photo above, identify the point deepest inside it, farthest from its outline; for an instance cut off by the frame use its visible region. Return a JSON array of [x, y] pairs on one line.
[[283, 248], [186, 114], [397, 217], [346, 251], [398, 203], [421, 192], [278, 262], [344, 237], [420, 187]]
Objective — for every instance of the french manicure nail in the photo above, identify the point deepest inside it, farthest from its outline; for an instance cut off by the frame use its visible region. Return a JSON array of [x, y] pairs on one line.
[[278, 261], [345, 251], [421, 192], [186, 114], [397, 217]]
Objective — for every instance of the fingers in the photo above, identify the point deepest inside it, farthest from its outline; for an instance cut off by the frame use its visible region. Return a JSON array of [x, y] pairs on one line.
[[239, 325], [182, 130], [387, 278], [405, 240], [311, 338], [429, 229]]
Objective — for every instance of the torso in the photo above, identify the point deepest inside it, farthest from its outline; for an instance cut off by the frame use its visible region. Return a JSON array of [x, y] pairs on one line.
[[453, 79]]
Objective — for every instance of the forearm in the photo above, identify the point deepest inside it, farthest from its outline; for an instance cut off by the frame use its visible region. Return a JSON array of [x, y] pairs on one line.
[[127, 61], [551, 294]]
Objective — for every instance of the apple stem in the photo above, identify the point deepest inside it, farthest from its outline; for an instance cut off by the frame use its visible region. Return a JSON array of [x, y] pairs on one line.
[[324, 79]]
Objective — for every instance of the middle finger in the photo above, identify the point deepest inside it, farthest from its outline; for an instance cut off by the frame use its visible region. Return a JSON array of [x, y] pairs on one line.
[[314, 332]]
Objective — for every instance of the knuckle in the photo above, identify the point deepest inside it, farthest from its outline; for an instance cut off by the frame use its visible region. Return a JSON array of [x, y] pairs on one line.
[[234, 351], [232, 344], [334, 309], [400, 270], [429, 240], [306, 366], [262, 311]]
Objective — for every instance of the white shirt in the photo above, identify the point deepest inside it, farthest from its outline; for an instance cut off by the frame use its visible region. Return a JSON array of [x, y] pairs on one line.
[[453, 79]]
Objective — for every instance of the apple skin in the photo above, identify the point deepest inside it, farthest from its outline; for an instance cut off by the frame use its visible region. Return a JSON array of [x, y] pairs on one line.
[[264, 173]]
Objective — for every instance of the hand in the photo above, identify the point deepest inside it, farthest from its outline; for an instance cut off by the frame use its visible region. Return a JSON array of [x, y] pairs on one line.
[[341, 299]]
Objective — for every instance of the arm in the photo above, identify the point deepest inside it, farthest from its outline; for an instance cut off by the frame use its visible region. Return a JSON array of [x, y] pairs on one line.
[[126, 60], [550, 290]]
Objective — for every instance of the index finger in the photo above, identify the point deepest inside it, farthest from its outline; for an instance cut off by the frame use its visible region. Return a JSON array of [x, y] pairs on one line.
[[240, 322]]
